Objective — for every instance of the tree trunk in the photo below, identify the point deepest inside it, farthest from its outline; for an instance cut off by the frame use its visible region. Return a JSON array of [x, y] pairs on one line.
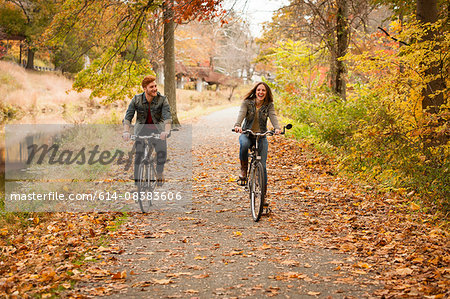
[[427, 12], [169, 59], [20, 53], [432, 100], [30, 59], [342, 37]]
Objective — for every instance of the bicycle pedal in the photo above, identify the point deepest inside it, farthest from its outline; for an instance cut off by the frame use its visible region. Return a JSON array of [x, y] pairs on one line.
[[241, 181]]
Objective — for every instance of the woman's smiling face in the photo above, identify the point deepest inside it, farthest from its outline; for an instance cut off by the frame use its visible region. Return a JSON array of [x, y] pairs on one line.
[[261, 92]]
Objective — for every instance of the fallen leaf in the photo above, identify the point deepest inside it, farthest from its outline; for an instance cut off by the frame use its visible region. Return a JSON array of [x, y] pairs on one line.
[[119, 275], [200, 276], [310, 293], [404, 271], [161, 281]]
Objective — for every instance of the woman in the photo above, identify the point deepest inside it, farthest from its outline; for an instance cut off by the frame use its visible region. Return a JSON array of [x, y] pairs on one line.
[[256, 107]]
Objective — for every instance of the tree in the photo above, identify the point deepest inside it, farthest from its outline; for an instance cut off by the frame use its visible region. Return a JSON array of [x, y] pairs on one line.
[[342, 39], [113, 29], [169, 58], [433, 96], [325, 23], [28, 18], [236, 48]]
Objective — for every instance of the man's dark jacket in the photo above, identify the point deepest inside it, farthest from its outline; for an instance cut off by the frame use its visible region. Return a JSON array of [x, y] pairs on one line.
[[159, 107]]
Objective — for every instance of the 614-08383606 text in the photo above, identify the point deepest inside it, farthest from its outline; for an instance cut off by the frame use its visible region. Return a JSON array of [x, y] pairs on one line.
[[102, 196], [89, 168]]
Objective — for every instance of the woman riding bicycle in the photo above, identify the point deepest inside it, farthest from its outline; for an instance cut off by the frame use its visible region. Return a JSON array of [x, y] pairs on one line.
[[256, 107]]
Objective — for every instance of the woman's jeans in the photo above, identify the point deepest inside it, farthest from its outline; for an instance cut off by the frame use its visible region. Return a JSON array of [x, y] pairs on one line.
[[246, 143]]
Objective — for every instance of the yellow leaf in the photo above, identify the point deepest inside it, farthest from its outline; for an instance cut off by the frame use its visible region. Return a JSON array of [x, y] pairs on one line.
[[265, 246], [237, 233], [414, 206], [362, 265], [199, 257]]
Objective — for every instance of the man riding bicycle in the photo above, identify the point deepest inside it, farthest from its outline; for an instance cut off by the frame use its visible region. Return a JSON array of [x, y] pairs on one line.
[[153, 116]]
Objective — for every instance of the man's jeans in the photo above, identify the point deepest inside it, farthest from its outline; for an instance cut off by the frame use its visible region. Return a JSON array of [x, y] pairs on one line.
[[161, 154], [246, 142]]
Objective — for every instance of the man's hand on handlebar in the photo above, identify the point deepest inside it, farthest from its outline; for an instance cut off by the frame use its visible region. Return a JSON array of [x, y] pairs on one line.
[[277, 131], [126, 136], [163, 135]]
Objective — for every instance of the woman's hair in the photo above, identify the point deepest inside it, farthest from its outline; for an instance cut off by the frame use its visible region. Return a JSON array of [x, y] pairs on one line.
[[251, 95], [147, 80]]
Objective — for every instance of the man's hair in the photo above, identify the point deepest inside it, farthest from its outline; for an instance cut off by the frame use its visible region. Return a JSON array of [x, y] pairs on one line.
[[147, 80]]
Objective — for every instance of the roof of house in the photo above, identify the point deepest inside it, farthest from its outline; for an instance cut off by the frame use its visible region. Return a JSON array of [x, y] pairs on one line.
[[6, 36], [205, 73]]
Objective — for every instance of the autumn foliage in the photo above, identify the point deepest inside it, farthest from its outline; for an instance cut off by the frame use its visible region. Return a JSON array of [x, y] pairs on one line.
[[381, 132]]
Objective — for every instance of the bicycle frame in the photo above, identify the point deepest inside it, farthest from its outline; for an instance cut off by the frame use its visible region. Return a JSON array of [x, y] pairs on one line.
[[146, 173]]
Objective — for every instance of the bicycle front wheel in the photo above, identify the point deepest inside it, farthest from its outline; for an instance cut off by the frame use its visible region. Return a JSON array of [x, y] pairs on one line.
[[152, 170], [256, 190], [144, 187]]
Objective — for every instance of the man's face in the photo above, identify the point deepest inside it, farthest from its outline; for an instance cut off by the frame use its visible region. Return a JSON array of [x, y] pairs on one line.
[[151, 89]]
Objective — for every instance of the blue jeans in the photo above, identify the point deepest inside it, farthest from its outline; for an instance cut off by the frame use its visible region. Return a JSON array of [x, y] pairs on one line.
[[246, 142]]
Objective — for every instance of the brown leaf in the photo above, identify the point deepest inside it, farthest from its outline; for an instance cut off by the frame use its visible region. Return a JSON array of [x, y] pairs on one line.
[[404, 271], [201, 276], [291, 263], [119, 275], [310, 293], [161, 281]]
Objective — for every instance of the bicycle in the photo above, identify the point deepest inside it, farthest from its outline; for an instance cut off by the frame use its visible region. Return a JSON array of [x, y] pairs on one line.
[[146, 181], [256, 183]]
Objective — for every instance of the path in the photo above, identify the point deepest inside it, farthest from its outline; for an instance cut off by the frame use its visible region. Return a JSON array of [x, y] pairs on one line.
[[214, 249]]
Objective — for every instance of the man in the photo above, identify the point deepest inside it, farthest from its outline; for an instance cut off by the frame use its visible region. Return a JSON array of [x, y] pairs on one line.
[[153, 116]]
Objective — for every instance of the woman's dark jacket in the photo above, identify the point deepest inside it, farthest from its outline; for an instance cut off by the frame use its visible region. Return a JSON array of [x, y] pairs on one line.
[[248, 111]]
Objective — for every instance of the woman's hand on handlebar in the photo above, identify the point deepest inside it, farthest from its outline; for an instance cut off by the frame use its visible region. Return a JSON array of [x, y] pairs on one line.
[[238, 129], [277, 131]]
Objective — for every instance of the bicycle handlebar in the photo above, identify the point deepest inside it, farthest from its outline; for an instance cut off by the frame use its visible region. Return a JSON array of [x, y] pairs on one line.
[[269, 133], [151, 136]]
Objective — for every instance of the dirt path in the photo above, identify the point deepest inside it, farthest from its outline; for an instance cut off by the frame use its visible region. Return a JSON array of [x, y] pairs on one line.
[[215, 249]]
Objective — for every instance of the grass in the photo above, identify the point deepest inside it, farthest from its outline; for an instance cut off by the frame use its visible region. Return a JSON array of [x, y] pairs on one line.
[[192, 104], [31, 87]]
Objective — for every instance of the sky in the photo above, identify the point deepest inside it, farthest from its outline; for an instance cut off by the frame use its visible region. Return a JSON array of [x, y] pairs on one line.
[[256, 11]]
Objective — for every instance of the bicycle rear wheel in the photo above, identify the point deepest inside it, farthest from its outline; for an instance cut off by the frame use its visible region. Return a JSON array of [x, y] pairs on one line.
[[144, 184], [256, 190]]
